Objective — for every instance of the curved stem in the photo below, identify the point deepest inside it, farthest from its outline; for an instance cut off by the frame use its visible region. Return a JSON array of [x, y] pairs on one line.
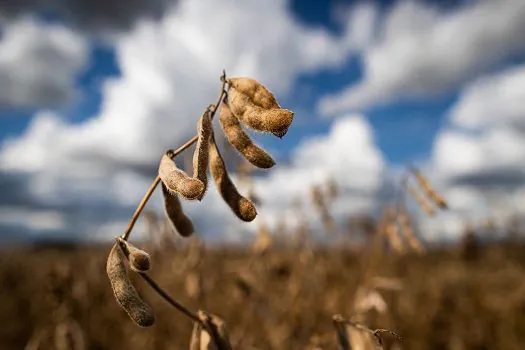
[[186, 145], [181, 308]]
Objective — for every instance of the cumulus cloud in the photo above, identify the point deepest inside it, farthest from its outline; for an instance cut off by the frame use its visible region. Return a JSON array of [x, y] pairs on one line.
[[422, 51], [169, 73], [493, 100], [92, 15], [486, 134], [39, 63], [478, 159], [348, 154]]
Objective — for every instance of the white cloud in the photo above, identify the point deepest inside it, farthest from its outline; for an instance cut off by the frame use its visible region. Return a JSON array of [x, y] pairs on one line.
[[348, 154], [487, 128], [422, 51], [169, 73], [97, 16], [34, 220], [478, 159], [39, 63], [492, 100]]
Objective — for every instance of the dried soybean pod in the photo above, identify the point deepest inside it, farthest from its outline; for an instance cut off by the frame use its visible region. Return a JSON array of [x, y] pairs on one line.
[[425, 185], [408, 231], [126, 295], [218, 339], [200, 157], [139, 260], [69, 336], [259, 94], [420, 200], [195, 341], [394, 238], [177, 181], [241, 141], [242, 207], [274, 120], [341, 332], [390, 229], [173, 208]]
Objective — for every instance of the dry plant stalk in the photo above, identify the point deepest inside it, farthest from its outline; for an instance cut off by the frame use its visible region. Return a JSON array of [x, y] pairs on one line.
[[124, 291], [263, 242], [318, 199], [408, 230], [341, 325], [420, 200], [209, 334], [341, 332], [389, 227], [430, 192], [391, 230], [69, 336], [242, 207], [36, 340], [193, 285]]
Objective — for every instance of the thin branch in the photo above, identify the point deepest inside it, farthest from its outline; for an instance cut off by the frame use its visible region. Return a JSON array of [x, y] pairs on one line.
[[156, 181], [374, 332], [156, 287], [181, 308], [169, 299]]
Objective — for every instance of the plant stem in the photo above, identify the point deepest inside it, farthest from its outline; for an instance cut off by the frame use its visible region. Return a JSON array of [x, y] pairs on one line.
[[186, 145], [169, 299]]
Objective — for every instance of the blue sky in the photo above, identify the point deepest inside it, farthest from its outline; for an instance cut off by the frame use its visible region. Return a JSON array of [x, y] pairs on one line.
[[89, 99], [423, 119]]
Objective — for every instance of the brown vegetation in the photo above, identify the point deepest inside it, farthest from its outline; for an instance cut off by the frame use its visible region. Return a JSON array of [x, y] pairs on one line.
[[280, 300]]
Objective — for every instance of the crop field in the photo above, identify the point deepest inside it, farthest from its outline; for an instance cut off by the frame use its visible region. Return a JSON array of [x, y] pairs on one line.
[[464, 297]]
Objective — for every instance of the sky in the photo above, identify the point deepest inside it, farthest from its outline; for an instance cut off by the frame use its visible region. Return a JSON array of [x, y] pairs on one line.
[[92, 93]]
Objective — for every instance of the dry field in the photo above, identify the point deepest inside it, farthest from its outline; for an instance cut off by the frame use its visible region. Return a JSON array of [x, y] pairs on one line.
[[282, 299]]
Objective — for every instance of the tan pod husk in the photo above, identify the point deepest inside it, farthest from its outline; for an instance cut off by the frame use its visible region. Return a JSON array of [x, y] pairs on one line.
[[394, 238], [390, 229], [259, 94], [124, 291], [195, 341], [408, 231], [427, 187], [220, 339], [139, 260], [341, 333], [173, 209], [274, 120], [69, 336], [177, 181], [200, 157], [420, 200], [240, 140], [242, 207]]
